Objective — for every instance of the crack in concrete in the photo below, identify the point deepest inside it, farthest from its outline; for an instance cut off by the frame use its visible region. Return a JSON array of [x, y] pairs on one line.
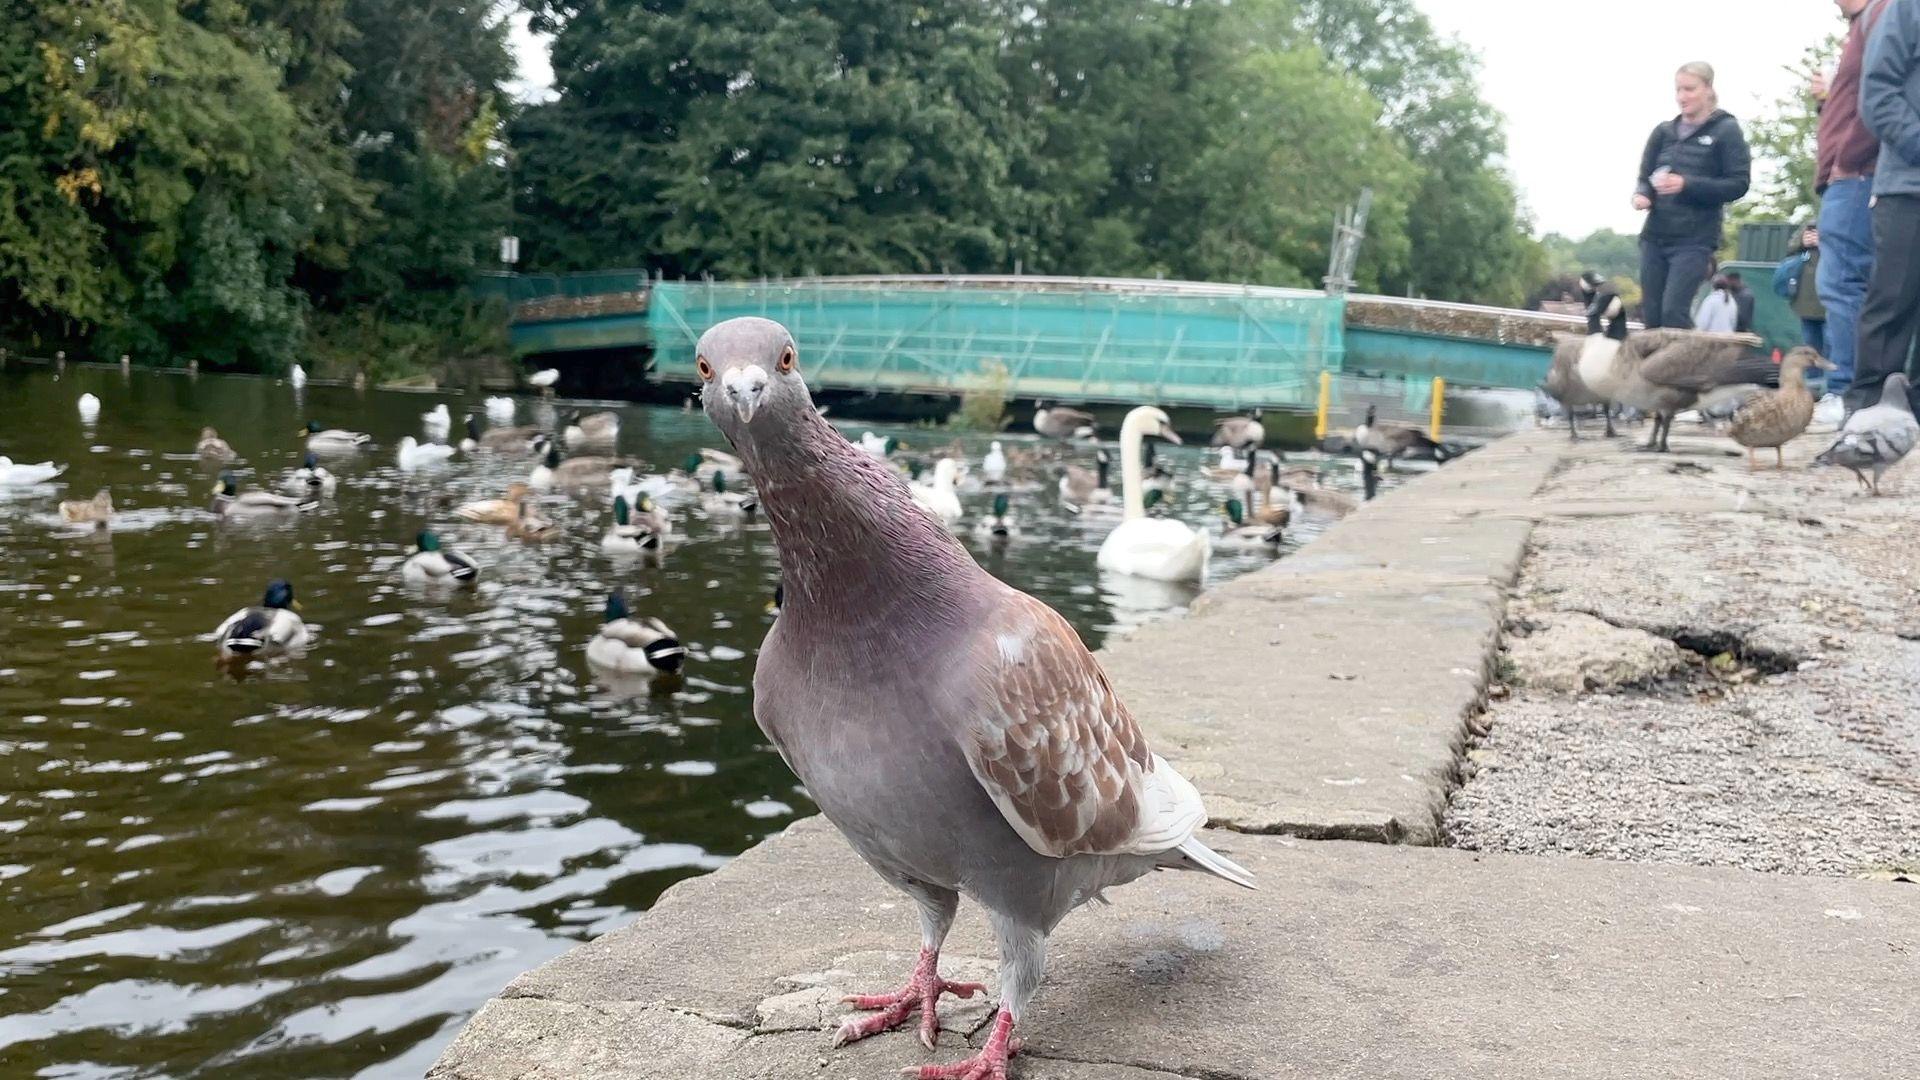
[[1706, 641], [1163, 1070]]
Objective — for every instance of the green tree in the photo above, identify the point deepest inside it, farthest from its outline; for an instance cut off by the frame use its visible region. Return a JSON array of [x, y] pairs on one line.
[[1783, 144]]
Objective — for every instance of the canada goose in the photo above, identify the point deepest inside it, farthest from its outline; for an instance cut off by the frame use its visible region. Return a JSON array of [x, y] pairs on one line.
[[1664, 371], [598, 427], [1060, 423], [1390, 441], [1773, 419], [1240, 432], [571, 473], [1606, 329], [471, 440]]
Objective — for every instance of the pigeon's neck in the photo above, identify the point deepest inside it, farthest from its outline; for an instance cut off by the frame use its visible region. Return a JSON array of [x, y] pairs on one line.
[[855, 550]]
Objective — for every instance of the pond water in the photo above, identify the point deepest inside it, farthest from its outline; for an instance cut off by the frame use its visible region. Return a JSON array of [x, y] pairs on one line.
[[323, 867]]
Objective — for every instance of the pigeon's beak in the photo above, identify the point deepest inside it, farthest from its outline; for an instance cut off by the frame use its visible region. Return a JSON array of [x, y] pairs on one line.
[[746, 387]]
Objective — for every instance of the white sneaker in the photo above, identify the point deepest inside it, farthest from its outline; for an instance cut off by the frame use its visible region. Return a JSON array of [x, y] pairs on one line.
[[1830, 411]]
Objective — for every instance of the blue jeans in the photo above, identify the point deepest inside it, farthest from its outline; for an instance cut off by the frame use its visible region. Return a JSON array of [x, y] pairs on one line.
[[1846, 263], [1813, 334]]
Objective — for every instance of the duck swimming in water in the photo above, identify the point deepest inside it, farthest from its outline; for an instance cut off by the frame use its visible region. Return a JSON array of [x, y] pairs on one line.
[[267, 630], [431, 564], [631, 646], [230, 502]]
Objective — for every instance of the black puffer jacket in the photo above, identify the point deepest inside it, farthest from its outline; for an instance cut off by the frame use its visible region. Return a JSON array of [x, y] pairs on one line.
[[1718, 169]]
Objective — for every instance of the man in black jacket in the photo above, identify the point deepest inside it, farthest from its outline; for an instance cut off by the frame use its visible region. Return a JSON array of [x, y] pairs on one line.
[[1692, 167]]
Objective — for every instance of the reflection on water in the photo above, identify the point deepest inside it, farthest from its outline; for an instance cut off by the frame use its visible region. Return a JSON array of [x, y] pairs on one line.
[[322, 867]]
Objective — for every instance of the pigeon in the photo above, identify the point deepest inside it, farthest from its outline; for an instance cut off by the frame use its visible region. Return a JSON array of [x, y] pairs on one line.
[[1876, 438], [954, 729]]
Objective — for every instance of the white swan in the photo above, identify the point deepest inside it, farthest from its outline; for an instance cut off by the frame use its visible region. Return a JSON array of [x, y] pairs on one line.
[[414, 455], [1159, 548], [297, 375], [437, 418], [939, 497], [993, 467], [12, 475], [500, 409], [89, 408]]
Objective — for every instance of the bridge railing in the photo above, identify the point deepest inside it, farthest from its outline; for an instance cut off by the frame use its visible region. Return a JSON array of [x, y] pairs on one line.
[[1085, 341]]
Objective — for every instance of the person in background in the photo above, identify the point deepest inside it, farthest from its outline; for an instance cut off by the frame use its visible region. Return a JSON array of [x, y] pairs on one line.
[[1890, 109], [1845, 158], [1805, 300], [1717, 312], [1693, 166], [1742, 302]]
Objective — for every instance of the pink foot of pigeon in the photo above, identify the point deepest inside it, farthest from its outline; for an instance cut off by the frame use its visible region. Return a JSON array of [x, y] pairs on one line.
[[920, 995], [989, 1064]]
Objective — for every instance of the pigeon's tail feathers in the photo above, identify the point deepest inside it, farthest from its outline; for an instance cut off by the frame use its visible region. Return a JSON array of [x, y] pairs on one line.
[[1194, 855]]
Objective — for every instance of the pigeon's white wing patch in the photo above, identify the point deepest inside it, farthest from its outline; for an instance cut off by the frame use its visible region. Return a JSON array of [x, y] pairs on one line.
[[1059, 754]]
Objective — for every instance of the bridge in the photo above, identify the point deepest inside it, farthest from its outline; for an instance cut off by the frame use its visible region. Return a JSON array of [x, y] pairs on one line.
[[1081, 339]]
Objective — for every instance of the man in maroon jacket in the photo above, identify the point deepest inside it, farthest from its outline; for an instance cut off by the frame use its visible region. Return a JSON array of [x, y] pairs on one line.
[[1847, 152]]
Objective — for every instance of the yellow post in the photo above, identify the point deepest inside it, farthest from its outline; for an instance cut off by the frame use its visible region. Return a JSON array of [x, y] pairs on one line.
[[1326, 402], [1439, 407]]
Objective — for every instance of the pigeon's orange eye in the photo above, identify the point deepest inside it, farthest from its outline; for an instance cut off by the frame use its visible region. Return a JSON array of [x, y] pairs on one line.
[[706, 369], [786, 359]]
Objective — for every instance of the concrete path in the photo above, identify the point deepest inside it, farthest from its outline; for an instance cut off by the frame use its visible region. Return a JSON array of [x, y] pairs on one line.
[[1354, 960]]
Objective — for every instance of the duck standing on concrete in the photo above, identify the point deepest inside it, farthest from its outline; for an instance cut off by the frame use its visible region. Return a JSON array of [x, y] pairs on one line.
[[1876, 438], [1777, 418], [964, 740], [1663, 372], [1054, 422], [1390, 441]]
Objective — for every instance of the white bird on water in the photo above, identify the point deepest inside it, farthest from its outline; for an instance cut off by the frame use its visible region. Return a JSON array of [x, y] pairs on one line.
[[417, 455], [24, 475], [1159, 548], [297, 375], [544, 379], [968, 743], [89, 408], [500, 409], [437, 419], [993, 467]]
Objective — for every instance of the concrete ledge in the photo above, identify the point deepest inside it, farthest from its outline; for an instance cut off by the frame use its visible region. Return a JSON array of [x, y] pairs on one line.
[[1355, 960]]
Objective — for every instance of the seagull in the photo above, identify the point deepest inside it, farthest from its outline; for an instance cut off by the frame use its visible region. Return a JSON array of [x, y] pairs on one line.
[[954, 729], [993, 467], [544, 379], [1876, 438]]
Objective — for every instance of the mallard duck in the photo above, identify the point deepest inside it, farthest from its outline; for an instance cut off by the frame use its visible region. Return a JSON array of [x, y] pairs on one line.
[[1776, 418], [1054, 422], [544, 379], [437, 419], [500, 409], [89, 408], [96, 511], [431, 564], [311, 478], [877, 446], [939, 498], [712, 460], [1876, 437], [212, 446], [1239, 535], [416, 455], [993, 467], [1080, 486], [528, 525], [297, 375], [1158, 477], [229, 502], [518, 439], [1159, 548], [334, 439], [1390, 441], [574, 472], [12, 475], [269, 630], [631, 646], [1240, 432], [626, 535], [723, 502], [599, 427], [470, 442], [503, 511], [999, 525]]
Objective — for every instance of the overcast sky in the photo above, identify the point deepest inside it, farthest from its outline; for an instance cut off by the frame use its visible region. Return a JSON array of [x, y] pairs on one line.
[[1581, 87]]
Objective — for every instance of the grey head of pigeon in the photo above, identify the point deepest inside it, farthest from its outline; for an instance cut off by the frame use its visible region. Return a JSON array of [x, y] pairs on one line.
[[847, 528]]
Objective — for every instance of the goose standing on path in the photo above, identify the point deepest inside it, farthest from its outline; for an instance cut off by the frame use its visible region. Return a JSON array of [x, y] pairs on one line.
[[264, 631], [968, 741], [1876, 438], [431, 564], [1777, 418], [1159, 548], [1663, 372], [1057, 423]]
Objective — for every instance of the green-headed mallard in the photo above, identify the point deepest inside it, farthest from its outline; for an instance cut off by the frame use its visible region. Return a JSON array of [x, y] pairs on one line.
[[334, 439], [626, 535], [270, 629], [999, 525], [229, 502], [431, 564], [1238, 535], [631, 646]]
